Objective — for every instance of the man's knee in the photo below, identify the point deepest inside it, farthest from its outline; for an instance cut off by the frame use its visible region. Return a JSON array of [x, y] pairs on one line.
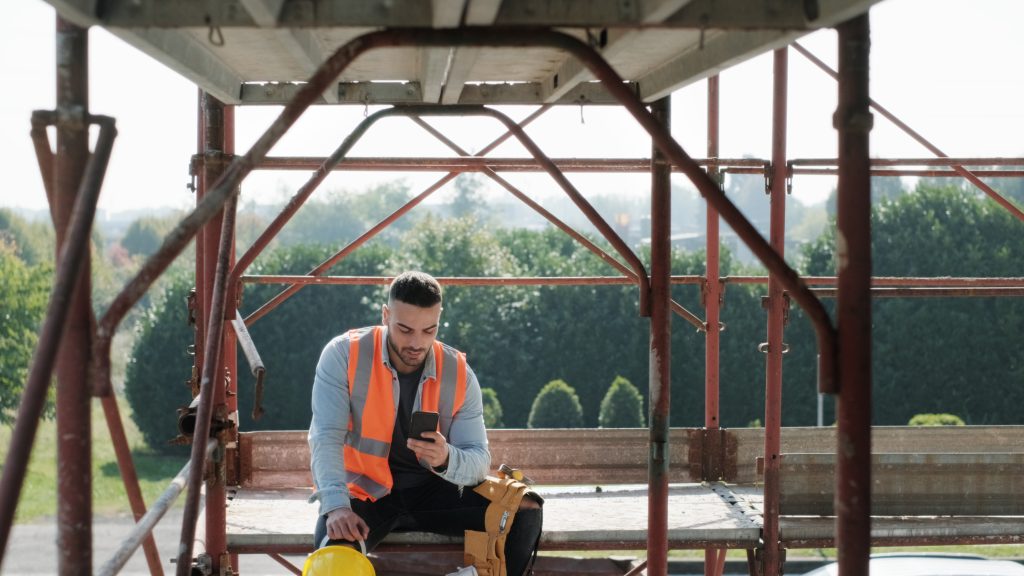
[[529, 504]]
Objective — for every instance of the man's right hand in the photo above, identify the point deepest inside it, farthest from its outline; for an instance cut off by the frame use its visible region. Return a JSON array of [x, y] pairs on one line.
[[344, 524]]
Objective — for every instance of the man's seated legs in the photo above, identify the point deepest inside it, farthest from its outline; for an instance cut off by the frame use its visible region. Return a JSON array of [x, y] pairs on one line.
[[441, 507]]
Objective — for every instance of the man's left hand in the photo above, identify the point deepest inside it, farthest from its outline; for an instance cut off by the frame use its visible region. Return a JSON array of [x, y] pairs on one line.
[[434, 453]]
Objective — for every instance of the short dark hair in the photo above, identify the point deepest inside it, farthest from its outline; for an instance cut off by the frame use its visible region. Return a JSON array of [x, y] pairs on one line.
[[416, 288]]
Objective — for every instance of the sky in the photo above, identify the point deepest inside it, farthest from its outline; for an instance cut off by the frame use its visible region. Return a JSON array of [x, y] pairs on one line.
[[950, 69]]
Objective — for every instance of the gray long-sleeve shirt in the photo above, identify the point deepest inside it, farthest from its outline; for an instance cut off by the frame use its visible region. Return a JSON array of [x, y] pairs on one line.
[[468, 456]]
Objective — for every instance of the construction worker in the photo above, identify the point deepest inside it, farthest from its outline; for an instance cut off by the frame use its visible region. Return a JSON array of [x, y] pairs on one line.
[[370, 476]]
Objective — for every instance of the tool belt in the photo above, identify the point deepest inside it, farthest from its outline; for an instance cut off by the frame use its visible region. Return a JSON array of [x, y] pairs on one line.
[[486, 550]]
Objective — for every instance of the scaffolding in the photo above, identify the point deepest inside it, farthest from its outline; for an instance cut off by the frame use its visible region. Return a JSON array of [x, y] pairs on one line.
[[76, 346]]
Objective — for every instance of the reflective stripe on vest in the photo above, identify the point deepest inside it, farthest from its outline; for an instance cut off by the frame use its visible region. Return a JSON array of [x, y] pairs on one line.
[[373, 406]]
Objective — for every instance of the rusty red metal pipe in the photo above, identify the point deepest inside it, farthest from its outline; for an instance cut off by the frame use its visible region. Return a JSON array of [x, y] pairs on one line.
[[73, 251], [44, 154], [713, 287], [214, 338], [972, 292], [74, 424], [943, 161], [130, 478], [216, 145], [853, 122], [948, 288], [711, 294], [777, 305], [939, 281], [284, 562], [906, 172], [479, 164], [660, 351], [483, 281]]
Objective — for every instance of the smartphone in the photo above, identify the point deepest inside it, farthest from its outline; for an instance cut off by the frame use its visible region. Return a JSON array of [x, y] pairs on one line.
[[422, 422]]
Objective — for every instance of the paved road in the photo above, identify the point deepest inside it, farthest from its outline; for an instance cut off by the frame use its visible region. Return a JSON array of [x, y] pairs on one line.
[[31, 550]]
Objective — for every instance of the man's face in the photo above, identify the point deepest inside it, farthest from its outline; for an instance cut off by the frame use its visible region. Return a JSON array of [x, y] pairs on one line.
[[411, 332]]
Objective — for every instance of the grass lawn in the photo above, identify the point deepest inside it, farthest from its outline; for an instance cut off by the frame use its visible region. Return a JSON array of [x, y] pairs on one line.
[[39, 492]]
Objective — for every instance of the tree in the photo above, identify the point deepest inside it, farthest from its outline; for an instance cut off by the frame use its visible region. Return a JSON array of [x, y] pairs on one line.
[[341, 216], [492, 408], [322, 222], [1009, 188], [32, 242], [24, 291], [144, 235], [567, 332], [883, 188], [291, 337], [936, 354], [158, 373], [557, 406], [380, 201], [467, 195], [622, 406]]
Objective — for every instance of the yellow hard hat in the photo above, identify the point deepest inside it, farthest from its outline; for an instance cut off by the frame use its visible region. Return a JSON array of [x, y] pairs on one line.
[[337, 561]]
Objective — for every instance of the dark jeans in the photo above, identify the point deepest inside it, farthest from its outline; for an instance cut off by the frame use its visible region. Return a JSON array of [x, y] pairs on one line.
[[438, 507]]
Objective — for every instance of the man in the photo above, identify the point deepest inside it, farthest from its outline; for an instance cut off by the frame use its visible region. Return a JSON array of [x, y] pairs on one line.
[[370, 476]]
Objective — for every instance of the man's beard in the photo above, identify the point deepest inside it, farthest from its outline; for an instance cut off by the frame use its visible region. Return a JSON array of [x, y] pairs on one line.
[[405, 360]]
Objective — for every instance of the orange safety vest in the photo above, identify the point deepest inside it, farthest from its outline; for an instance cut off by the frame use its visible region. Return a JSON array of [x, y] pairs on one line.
[[373, 402]]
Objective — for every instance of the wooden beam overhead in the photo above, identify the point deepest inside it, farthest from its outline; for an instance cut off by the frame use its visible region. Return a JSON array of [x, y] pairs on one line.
[[363, 93], [660, 45], [746, 15], [718, 53], [182, 53], [478, 13], [724, 14], [264, 12], [434, 62], [615, 42], [723, 49]]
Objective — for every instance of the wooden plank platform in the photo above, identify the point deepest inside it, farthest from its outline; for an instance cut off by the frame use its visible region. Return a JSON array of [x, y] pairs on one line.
[[920, 484], [269, 512], [575, 518], [819, 531]]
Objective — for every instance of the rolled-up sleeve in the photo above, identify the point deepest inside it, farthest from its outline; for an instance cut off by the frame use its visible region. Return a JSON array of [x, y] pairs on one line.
[[329, 426], [469, 459]]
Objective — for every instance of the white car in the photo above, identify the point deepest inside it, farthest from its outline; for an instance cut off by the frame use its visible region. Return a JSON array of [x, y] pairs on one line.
[[929, 564]]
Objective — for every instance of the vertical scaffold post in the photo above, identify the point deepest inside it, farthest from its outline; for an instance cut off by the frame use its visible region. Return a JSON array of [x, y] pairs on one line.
[[712, 305], [776, 311], [713, 290], [661, 357], [74, 431], [853, 121], [216, 145]]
